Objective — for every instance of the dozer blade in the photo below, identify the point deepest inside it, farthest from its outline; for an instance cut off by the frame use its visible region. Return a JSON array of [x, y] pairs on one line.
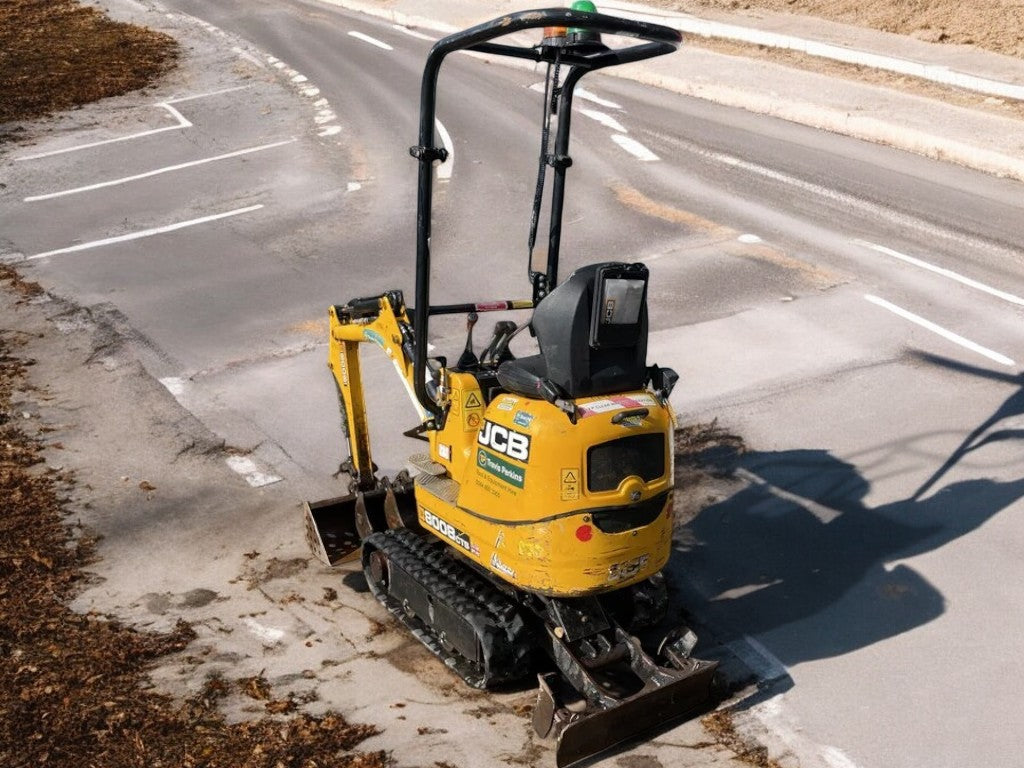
[[595, 702], [653, 708]]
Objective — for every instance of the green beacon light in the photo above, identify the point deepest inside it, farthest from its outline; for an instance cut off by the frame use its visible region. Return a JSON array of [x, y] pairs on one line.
[[577, 35]]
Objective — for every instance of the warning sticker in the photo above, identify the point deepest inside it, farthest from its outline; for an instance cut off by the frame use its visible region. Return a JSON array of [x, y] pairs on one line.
[[617, 403], [570, 478], [472, 411]]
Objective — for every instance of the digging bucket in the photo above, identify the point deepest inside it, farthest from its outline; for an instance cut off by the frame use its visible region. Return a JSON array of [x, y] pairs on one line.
[[335, 528]]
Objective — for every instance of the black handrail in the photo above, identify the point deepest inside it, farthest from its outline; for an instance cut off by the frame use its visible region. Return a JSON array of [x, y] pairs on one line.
[[657, 39]]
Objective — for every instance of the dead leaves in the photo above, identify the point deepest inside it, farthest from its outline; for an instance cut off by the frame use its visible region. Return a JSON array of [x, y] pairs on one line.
[[56, 54], [74, 689]]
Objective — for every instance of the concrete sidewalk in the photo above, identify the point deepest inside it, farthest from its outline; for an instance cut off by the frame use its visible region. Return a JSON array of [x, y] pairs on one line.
[[977, 138]]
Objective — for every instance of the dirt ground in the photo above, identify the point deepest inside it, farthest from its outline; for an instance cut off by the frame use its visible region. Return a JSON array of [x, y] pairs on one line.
[[995, 25], [73, 688]]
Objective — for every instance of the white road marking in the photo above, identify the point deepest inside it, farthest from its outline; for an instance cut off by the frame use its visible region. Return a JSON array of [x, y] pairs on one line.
[[583, 93], [784, 728], [883, 212], [175, 385], [330, 130], [370, 40], [180, 123], [145, 233], [758, 659], [251, 58], [971, 283], [825, 515], [354, 186], [749, 239], [940, 331], [635, 148], [604, 119], [444, 170], [413, 33], [836, 758], [195, 96], [158, 171], [269, 635], [248, 469]]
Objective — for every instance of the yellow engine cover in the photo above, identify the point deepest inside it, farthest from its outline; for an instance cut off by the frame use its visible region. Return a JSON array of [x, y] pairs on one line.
[[559, 508]]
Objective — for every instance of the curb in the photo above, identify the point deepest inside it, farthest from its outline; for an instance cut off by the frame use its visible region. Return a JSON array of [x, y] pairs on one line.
[[935, 73], [815, 116]]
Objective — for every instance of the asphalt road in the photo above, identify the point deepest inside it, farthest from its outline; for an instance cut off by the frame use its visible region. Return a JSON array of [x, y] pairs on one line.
[[852, 312]]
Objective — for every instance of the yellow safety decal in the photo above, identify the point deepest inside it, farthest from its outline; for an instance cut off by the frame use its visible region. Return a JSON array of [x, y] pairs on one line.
[[570, 484], [472, 412]]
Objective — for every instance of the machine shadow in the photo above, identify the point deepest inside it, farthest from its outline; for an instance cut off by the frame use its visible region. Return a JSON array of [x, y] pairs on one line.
[[796, 556]]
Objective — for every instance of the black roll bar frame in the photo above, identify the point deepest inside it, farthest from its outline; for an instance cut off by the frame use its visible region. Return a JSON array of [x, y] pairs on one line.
[[658, 40]]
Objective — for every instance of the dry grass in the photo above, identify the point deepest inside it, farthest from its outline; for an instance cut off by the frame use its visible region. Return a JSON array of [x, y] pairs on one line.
[[57, 54]]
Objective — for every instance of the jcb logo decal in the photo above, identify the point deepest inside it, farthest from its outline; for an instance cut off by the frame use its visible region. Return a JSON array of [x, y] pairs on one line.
[[506, 441]]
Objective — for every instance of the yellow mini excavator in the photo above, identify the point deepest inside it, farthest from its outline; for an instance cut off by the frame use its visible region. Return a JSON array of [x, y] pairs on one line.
[[531, 538]]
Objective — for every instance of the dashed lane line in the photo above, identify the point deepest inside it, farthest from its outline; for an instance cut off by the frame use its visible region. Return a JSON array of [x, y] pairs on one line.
[[874, 210], [159, 171], [413, 33], [250, 470], [956, 276], [940, 331], [604, 119], [371, 40], [635, 148], [583, 93], [145, 233]]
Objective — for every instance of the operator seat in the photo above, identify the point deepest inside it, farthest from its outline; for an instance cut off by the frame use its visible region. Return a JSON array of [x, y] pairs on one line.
[[592, 332]]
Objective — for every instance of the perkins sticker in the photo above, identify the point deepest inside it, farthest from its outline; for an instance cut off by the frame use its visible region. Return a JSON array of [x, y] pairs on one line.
[[500, 468], [446, 529], [523, 419], [513, 444]]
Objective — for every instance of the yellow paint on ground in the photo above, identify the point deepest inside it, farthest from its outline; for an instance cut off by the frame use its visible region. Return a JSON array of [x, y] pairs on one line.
[[636, 200], [816, 276]]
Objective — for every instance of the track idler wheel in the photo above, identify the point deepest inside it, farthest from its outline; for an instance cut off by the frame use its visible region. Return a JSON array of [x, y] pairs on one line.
[[377, 571]]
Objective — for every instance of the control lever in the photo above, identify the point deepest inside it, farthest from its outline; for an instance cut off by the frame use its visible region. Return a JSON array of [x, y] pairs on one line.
[[503, 331], [468, 357]]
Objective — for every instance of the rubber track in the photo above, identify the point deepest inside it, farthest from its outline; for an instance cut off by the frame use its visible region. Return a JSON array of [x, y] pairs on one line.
[[494, 617]]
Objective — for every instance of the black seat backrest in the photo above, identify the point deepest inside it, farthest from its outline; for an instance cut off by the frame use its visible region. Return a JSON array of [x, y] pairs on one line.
[[592, 332]]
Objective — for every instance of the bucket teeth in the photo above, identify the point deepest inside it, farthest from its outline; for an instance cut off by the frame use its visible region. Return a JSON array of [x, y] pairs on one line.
[[336, 528]]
